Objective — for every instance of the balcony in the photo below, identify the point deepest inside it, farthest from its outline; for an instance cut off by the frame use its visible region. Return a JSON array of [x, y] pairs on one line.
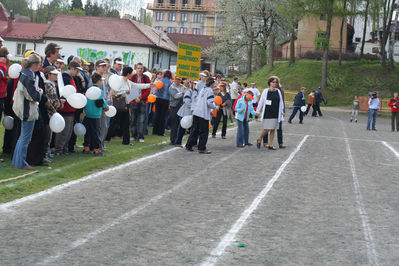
[[178, 7]]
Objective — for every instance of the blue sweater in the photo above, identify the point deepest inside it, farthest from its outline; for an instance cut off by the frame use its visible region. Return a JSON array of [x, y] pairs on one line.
[[163, 93], [91, 110]]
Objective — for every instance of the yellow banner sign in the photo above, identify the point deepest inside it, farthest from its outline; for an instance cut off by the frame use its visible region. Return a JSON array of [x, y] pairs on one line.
[[188, 61]]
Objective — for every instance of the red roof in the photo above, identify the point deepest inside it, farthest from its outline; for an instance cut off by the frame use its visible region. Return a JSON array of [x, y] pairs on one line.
[[100, 29], [23, 30], [205, 41]]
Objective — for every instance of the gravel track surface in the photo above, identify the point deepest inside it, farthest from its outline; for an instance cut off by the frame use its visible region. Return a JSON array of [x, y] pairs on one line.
[[329, 198]]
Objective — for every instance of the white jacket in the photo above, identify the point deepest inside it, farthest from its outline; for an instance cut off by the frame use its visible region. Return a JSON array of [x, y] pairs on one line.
[[262, 104], [200, 85], [205, 103], [185, 109]]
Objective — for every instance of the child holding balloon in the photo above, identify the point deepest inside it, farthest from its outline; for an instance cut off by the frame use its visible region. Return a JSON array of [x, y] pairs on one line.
[[93, 110]]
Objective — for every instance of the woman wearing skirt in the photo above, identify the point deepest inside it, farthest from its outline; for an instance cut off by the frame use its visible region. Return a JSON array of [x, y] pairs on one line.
[[271, 104]]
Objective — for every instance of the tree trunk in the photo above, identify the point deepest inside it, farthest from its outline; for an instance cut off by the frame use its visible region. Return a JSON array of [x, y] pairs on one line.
[[292, 46], [250, 49], [325, 48], [391, 62], [385, 34], [364, 28], [271, 51], [341, 33]]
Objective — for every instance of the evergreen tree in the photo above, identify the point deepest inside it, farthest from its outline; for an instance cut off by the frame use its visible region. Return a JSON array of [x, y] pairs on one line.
[[77, 4]]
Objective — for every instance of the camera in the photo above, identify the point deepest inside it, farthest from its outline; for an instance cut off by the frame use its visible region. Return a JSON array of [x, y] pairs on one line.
[[373, 95]]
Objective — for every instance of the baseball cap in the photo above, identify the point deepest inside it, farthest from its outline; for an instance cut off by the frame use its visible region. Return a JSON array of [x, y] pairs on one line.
[[203, 74], [75, 65], [119, 62], [28, 53], [101, 63], [85, 62]]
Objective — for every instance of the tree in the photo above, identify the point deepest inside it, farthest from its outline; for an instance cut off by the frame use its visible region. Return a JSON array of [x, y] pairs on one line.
[[77, 4], [366, 15], [77, 12], [388, 8], [18, 6], [392, 40]]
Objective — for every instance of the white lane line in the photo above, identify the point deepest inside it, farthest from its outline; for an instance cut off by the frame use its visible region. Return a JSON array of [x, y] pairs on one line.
[[231, 234], [6, 206], [371, 252], [334, 137], [92, 235], [391, 148]]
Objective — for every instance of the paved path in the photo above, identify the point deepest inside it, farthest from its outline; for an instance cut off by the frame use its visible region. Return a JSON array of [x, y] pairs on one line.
[[330, 198]]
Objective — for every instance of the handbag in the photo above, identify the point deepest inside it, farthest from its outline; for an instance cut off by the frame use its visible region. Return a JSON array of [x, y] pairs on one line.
[[119, 102]]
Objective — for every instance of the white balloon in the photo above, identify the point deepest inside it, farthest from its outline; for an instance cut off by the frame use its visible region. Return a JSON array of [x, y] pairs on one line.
[[141, 86], [115, 82], [111, 112], [77, 100], [93, 93], [8, 122], [68, 90], [79, 129], [148, 74], [57, 123], [187, 121], [303, 108], [14, 70]]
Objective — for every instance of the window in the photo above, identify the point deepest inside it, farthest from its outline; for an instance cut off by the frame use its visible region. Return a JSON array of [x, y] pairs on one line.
[[159, 16], [323, 17], [197, 17], [172, 16], [196, 30], [183, 30], [160, 3], [198, 2], [183, 17], [158, 28], [358, 39], [172, 2], [184, 2], [171, 30], [21, 47]]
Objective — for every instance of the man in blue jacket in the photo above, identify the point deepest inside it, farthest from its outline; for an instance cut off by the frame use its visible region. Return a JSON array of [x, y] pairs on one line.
[[299, 101]]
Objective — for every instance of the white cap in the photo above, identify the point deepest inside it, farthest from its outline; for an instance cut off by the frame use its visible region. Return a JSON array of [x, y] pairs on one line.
[[58, 47], [119, 62], [1, 39], [101, 64], [81, 69], [55, 71], [253, 83], [203, 74], [60, 60]]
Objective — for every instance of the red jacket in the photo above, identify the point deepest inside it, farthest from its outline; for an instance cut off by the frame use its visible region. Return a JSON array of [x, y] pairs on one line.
[[145, 92], [394, 102], [67, 110], [3, 80]]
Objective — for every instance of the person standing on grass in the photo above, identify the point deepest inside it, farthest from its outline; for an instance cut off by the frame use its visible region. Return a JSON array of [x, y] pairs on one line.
[[26, 100], [93, 110], [299, 101], [176, 93], [271, 105], [138, 105], [162, 105], [355, 109], [244, 108], [394, 104], [374, 105], [67, 112]]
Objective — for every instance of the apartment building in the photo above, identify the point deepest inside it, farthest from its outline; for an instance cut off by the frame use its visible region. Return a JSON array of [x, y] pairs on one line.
[[185, 16]]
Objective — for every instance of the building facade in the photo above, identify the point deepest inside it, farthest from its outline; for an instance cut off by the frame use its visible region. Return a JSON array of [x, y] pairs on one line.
[[185, 16]]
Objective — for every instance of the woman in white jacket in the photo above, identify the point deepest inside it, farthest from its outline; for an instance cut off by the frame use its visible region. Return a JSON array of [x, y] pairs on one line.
[[271, 104]]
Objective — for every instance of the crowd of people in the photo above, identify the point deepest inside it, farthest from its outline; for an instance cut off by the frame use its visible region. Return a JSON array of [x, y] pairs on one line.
[[33, 97]]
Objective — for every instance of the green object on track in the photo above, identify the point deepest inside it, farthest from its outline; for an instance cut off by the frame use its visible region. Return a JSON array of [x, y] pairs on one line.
[[241, 245]]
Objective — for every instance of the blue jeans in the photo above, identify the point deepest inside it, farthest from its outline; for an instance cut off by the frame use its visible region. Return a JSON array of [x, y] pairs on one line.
[[137, 112], [21, 149], [372, 115], [242, 133], [296, 109]]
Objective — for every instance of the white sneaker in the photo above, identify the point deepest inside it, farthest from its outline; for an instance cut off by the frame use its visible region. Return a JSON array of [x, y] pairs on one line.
[[141, 140]]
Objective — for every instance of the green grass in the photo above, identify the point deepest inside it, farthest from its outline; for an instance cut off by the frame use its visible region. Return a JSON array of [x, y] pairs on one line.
[[74, 166], [345, 81]]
